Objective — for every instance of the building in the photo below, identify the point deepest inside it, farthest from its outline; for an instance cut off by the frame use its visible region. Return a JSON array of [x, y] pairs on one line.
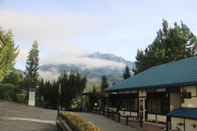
[[165, 94]]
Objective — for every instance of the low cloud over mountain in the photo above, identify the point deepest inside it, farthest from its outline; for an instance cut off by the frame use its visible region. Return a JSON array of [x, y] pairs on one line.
[[92, 65]]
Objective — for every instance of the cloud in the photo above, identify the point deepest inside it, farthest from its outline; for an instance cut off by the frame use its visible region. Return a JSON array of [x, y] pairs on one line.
[[49, 75], [55, 36], [35, 26], [85, 61]]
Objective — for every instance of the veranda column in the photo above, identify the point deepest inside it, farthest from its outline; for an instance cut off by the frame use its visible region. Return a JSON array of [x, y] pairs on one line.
[[142, 106]]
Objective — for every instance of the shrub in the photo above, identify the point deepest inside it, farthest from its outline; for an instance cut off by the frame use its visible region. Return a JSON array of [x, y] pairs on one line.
[[77, 123], [8, 92], [21, 97]]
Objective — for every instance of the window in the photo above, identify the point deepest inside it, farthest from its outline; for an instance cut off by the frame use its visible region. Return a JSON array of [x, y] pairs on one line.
[[186, 94]]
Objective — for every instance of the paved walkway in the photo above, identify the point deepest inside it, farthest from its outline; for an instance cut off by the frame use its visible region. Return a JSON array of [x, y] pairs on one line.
[[18, 117], [106, 124]]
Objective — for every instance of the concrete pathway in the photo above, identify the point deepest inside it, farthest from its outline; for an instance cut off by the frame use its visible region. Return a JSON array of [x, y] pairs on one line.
[[28, 119], [19, 117], [106, 124]]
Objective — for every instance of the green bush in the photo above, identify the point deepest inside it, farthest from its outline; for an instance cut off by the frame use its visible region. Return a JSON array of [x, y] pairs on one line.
[[8, 92], [21, 97]]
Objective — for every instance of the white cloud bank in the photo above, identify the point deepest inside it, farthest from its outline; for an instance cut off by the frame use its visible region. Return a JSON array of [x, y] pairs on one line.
[[55, 35]]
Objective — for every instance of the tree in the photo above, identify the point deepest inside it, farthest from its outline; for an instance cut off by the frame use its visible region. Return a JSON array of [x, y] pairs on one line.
[[15, 77], [72, 86], [93, 97], [104, 83], [126, 73], [170, 44], [8, 53], [32, 66], [8, 92]]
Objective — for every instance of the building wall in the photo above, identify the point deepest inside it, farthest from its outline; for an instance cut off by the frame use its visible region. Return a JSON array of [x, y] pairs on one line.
[[190, 102], [175, 101], [175, 124], [187, 124], [186, 102]]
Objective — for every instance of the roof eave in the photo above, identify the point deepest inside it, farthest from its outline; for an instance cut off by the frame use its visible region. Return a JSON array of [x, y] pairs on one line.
[[172, 85]]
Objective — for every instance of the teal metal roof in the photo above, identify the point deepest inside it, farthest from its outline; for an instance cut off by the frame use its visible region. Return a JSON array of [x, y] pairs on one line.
[[178, 73], [190, 113]]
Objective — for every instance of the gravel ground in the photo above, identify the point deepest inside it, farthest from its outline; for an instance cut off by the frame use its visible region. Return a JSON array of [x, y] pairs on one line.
[[18, 117], [25, 126], [10, 110], [106, 124]]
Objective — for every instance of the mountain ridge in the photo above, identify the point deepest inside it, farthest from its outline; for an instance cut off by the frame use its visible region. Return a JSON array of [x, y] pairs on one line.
[[93, 74]]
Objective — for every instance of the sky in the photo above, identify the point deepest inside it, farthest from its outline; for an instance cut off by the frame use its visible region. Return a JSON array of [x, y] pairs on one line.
[[68, 30]]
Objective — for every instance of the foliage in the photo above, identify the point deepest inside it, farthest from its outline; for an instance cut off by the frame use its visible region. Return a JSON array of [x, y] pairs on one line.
[[94, 89], [104, 83], [8, 92], [8, 53], [14, 77], [72, 85], [10, 87], [77, 123], [47, 94], [20, 97], [94, 97], [126, 73], [32, 66], [170, 44]]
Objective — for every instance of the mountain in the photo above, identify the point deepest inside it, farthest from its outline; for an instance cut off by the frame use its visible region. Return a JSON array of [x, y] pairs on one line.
[[94, 74], [111, 57]]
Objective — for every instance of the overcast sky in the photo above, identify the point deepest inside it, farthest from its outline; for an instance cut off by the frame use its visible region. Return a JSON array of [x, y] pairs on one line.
[[69, 29]]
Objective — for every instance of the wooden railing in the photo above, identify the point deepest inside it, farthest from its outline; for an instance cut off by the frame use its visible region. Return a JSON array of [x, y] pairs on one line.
[[118, 115]]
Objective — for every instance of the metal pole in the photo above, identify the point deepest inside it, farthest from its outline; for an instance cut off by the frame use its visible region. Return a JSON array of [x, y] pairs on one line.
[[59, 99]]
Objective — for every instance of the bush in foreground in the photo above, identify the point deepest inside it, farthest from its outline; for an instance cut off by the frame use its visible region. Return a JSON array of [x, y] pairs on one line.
[[77, 123]]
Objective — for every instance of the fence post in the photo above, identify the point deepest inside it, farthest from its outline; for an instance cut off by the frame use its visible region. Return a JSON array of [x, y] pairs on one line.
[[118, 117], [127, 120]]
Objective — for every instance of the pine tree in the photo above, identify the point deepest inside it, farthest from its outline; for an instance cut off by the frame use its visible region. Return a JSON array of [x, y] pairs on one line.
[[104, 83], [72, 85], [170, 44], [126, 73], [32, 66], [8, 53]]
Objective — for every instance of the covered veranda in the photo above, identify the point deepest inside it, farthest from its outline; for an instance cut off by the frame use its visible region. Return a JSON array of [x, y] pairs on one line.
[[159, 90]]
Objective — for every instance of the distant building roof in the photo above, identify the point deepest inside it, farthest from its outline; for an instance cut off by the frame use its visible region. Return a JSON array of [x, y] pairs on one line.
[[190, 113], [179, 73]]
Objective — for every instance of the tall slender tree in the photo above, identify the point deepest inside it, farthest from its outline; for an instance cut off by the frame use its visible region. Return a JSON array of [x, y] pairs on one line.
[[32, 66], [126, 73], [8, 53]]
